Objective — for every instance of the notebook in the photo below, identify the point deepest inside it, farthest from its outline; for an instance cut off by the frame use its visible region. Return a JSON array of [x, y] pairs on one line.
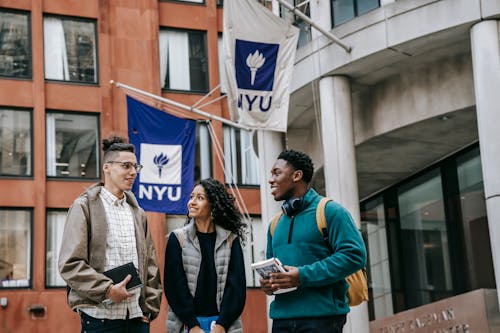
[[119, 273]]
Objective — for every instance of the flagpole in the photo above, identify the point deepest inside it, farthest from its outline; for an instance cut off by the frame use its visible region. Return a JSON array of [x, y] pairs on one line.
[[181, 106], [317, 27]]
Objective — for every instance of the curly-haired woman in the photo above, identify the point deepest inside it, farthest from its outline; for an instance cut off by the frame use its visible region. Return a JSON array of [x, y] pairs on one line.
[[204, 269]]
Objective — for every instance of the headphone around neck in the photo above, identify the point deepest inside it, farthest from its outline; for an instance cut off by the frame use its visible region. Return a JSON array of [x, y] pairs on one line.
[[291, 206]]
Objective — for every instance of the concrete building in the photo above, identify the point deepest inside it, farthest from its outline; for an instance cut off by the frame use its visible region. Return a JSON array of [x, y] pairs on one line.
[[402, 131], [405, 125]]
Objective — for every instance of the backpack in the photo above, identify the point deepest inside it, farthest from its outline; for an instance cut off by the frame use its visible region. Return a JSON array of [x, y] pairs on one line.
[[358, 285]]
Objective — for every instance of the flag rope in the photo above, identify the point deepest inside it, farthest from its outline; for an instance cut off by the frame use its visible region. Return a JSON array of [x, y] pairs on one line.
[[219, 151], [232, 185], [181, 106]]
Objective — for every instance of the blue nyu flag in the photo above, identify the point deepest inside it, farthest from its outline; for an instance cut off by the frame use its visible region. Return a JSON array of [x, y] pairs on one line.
[[165, 147]]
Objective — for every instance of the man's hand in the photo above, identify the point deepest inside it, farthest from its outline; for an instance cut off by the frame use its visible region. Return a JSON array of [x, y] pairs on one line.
[[265, 286], [288, 279], [118, 293], [218, 329]]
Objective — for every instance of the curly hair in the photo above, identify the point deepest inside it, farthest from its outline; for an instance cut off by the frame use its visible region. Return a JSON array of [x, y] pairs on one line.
[[114, 145], [224, 212], [299, 161]]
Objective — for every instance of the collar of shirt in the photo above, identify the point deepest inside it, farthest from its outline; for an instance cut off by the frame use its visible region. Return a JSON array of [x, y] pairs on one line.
[[111, 199]]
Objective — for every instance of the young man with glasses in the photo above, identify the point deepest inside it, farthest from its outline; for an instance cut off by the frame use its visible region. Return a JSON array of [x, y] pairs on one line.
[[105, 228]]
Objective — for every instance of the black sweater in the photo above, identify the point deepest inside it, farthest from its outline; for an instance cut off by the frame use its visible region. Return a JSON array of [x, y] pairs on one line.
[[204, 302]]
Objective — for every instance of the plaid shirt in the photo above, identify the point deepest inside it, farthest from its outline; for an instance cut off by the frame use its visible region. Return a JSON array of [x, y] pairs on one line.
[[120, 249]]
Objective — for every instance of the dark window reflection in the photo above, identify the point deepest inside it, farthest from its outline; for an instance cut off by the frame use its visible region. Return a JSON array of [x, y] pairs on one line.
[[345, 10], [70, 50], [15, 47], [72, 145], [15, 143]]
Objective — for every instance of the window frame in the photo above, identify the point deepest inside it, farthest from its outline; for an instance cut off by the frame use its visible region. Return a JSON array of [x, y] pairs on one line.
[[356, 13], [96, 34], [204, 34], [98, 140], [30, 210], [32, 163], [30, 44]]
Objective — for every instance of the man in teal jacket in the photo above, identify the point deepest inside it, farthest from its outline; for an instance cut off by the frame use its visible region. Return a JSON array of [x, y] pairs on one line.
[[318, 271]]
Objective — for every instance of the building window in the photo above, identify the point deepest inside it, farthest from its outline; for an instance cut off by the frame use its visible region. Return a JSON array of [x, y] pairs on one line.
[[424, 240], [254, 249], [15, 142], [72, 145], [55, 227], [345, 10], [70, 49], [374, 227], [222, 68], [15, 44], [15, 248], [183, 60], [203, 156], [475, 220], [240, 160], [193, 1], [305, 29]]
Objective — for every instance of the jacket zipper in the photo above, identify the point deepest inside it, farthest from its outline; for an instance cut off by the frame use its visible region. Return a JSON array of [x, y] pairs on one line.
[[291, 230]]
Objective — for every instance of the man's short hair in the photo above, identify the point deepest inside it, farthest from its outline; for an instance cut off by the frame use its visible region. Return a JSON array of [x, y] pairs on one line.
[[299, 161], [115, 144]]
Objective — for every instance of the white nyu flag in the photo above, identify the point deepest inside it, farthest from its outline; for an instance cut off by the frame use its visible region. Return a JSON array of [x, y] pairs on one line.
[[259, 51]]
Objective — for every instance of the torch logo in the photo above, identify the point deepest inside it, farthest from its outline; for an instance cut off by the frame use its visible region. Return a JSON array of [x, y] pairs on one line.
[[162, 164], [255, 61], [160, 161], [255, 65]]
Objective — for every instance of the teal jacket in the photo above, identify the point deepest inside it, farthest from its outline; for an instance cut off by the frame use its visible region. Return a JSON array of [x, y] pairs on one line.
[[323, 290]]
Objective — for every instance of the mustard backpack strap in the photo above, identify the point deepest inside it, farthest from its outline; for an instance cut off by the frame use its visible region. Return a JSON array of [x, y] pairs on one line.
[[321, 221], [274, 223]]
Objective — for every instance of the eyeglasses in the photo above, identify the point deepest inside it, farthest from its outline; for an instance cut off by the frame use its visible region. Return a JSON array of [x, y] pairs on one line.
[[128, 165]]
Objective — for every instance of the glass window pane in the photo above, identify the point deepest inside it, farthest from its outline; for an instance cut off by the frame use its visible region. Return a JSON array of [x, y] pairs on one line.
[[342, 11], [72, 145], [15, 44], [70, 50], [222, 68], [15, 248], [475, 221], [304, 28], [240, 160], [55, 227], [374, 227], [183, 60], [424, 241], [15, 142], [254, 248], [203, 164], [198, 62], [365, 6]]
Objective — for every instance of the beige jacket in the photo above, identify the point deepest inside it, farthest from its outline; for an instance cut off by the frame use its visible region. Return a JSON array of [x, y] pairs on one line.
[[82, 260]]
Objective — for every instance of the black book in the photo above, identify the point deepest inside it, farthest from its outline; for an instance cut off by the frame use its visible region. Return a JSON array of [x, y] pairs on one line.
[[119, 273]]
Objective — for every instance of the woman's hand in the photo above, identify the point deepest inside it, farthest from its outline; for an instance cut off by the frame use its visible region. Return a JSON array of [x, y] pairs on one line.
[[218, 329], [196, 329]]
